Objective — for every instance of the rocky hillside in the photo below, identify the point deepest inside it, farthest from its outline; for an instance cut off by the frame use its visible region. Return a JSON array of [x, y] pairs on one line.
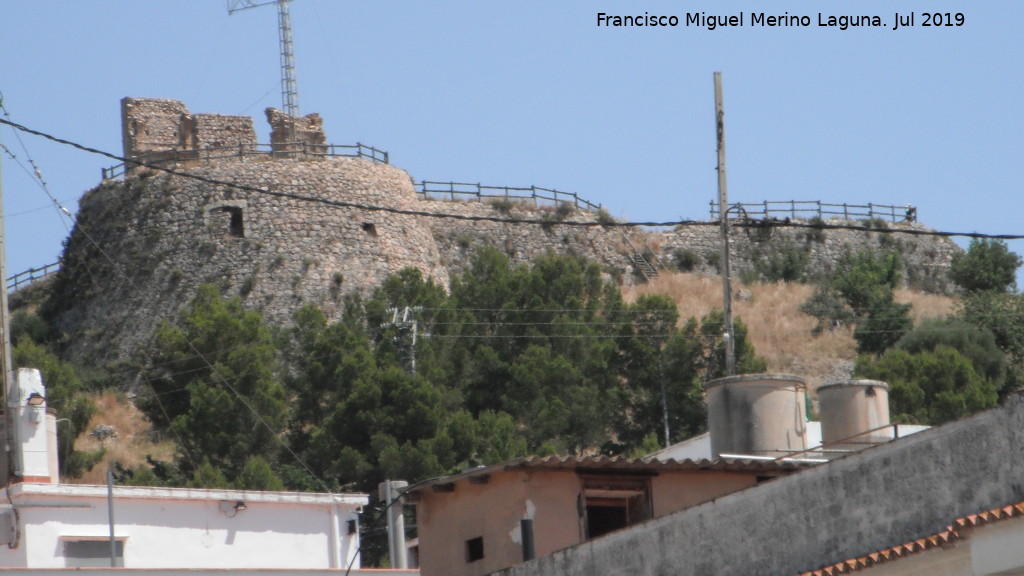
[[280, 233]]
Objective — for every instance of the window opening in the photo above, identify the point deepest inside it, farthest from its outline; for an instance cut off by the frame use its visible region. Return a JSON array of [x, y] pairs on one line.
[[235, 225], [614, 502], [475, 549], [92, 553], [370, 229]]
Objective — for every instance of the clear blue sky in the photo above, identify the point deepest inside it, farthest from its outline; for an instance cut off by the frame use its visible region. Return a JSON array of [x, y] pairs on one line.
[[530, 92]]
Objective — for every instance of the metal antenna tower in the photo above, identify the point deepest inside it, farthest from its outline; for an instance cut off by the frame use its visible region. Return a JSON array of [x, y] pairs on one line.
[[289, 89], [404, 320]]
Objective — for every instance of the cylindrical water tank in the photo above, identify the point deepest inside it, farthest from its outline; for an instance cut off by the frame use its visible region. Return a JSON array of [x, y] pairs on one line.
[[854, 411], [757, 414]]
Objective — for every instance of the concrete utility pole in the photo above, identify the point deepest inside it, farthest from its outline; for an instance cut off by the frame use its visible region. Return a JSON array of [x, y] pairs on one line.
[[6, 371], [723, 212], [389, 492]]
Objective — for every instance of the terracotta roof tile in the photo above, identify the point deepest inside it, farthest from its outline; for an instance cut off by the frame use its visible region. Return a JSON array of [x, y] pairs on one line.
[[762, 465], [956, 531]]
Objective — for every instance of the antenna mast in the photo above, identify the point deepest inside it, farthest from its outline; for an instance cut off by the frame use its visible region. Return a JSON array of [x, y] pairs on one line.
[[289, 88]]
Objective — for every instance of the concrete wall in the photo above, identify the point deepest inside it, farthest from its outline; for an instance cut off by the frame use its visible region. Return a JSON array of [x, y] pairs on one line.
[[887, 495], [182, 528]]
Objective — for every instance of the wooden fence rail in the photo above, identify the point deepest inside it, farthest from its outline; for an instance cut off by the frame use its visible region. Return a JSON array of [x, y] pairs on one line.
[[814, 208], [480, 193], [31, 275]]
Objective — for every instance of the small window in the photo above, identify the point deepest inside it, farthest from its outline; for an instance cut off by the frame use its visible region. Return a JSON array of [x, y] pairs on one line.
[[475, 549], [370, 229], [614, 502], [235, 225], [92, 553]]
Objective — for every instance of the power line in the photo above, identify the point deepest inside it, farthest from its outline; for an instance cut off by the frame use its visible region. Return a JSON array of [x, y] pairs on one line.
[[746, 223]]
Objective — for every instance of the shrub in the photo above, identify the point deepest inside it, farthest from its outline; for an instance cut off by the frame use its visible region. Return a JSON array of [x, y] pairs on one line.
[[686, 260], [816, 234], [786, 264]]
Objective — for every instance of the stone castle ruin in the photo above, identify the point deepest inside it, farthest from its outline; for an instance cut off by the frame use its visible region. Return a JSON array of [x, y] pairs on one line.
[[301, 221]]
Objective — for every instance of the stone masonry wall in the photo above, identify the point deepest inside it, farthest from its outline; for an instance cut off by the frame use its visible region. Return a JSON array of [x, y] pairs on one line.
[[151, 125], [143, 245], [155, 129]]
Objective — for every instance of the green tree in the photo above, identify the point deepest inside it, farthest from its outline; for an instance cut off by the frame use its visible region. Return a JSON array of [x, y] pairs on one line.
[[829, 308], [712, 359], [865, 279], [975, 343], [1002, 314], [214, 383], [883, 325], [988, 265], [257, 474], [866, 282], [930, 387]]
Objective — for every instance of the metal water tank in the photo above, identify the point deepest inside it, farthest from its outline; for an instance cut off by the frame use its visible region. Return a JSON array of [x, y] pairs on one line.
[[854, 411], [757, 414]]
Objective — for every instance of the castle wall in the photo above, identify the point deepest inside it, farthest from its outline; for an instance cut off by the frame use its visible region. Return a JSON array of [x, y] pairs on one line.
[[154, 129], [290, 134], [304, 232], [151, 125], [166, 235], [153, 239], [220, 131]]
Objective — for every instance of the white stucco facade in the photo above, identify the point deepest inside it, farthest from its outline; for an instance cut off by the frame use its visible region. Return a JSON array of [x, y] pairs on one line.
[[177, 528]]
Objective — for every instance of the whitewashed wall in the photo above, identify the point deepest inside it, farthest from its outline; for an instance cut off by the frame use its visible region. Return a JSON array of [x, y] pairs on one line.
[[182, 528]]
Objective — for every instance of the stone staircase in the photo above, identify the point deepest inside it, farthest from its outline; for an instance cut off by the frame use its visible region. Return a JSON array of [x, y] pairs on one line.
[[645, 263]]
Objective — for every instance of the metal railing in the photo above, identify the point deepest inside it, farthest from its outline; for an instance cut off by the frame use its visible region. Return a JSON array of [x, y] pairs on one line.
[[836, 446], [646, 255], [813, 208], [29, 276], [479, 193], [284, 150]]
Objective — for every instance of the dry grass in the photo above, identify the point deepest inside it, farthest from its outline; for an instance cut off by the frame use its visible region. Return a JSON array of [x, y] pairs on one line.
[[779, 331], [926, 305], [133, 442]]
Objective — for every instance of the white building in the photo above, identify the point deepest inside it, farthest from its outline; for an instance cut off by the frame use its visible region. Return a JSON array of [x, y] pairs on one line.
[[48, 525], [53, 526]]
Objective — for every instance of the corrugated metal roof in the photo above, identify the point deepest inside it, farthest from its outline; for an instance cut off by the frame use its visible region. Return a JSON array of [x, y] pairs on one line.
[[952, 533], [617, 463]]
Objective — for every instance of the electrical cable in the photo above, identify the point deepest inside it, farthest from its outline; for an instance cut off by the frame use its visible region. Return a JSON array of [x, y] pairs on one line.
[[771, 222]]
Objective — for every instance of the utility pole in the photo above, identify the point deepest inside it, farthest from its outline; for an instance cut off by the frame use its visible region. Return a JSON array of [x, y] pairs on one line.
[[728, 335], [5, 356], [289, 88], [390, 493]]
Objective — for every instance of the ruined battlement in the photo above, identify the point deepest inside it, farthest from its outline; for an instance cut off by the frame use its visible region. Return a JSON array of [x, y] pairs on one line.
[[159, 129]]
